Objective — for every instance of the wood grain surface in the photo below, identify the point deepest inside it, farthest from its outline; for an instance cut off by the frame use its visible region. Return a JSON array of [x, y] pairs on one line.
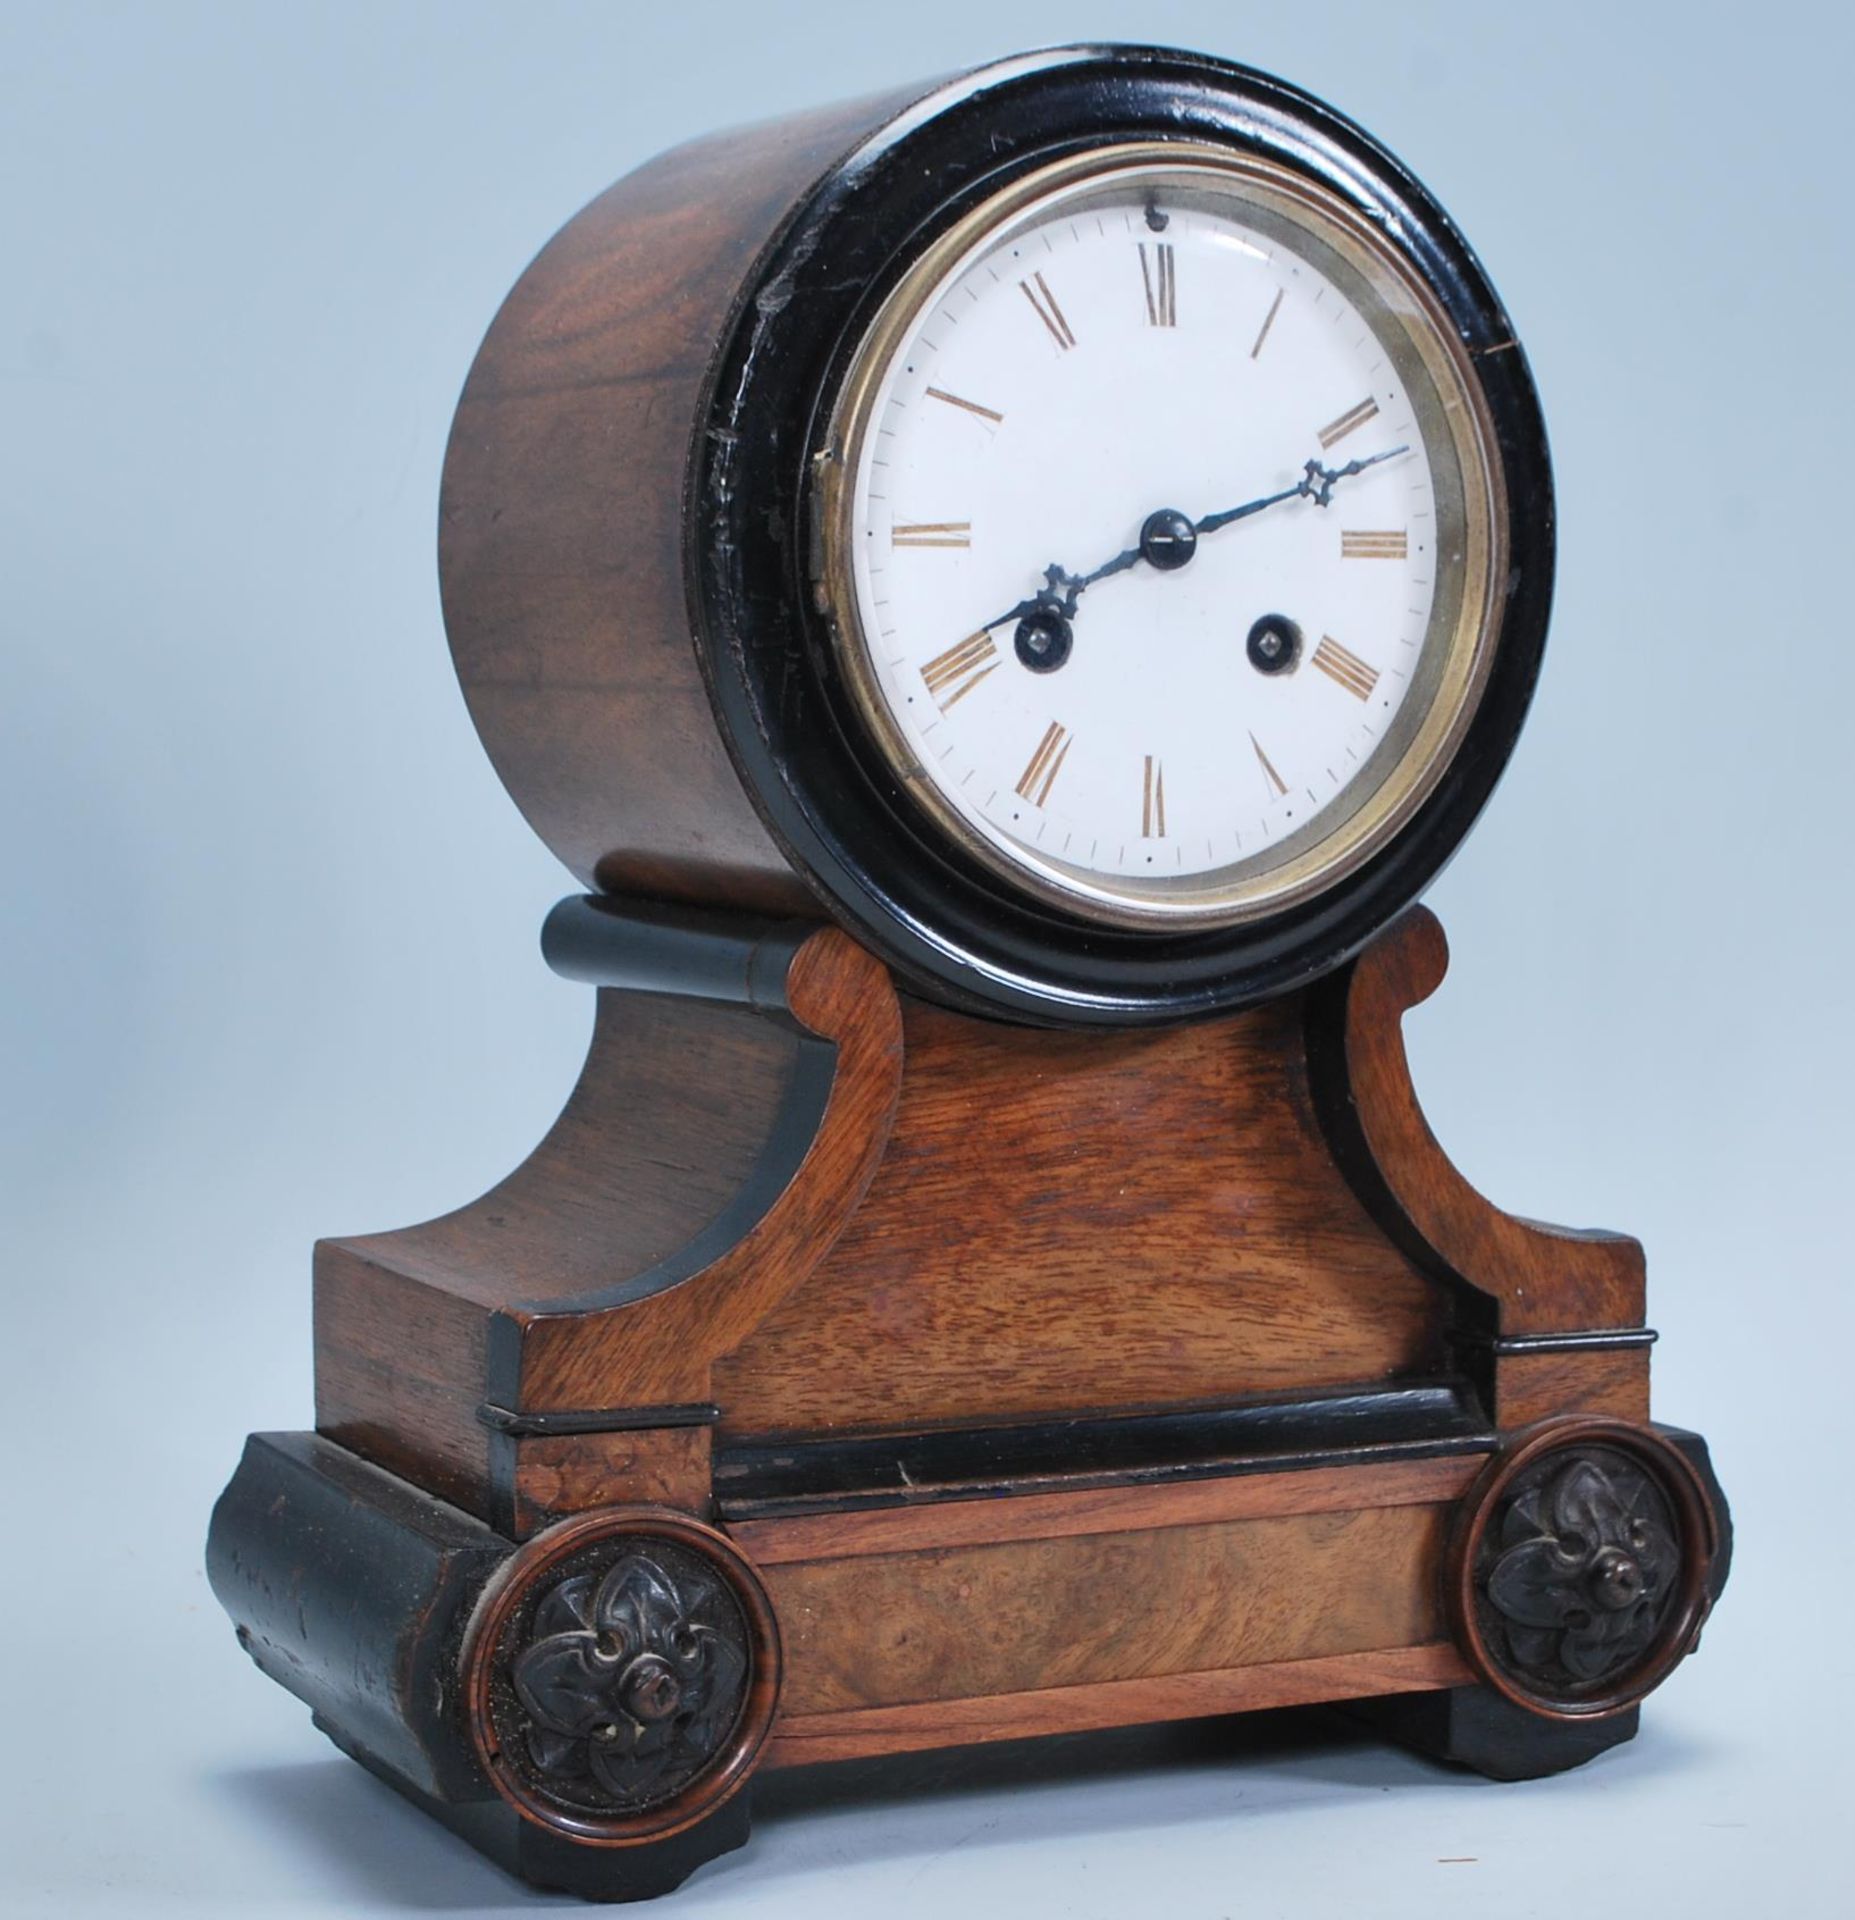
[[865, 1733], [1537, 1386], [561, 521], [1542, 1278], [945, 1524], [712, 1143], [1065, 1221], [1021, 1616]]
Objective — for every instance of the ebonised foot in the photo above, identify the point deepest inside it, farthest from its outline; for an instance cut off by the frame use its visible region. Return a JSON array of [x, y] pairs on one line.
[[584, 1707], [1474, 1727], [548, 1860]]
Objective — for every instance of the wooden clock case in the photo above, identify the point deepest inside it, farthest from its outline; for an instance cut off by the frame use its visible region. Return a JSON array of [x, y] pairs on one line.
[[916, 1330]]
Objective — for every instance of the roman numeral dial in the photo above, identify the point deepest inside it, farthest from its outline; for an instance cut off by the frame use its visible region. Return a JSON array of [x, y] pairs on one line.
[[932, 533], [1345, 668], [1139, 547], [972, 407], [1349, 422], [1374, 546], [1153, 801], [1036, 290], [1159, 274], [1035, 782], [952, 675]]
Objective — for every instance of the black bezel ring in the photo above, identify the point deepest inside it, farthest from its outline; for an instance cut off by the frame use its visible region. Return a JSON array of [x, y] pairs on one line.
[[950, 927]]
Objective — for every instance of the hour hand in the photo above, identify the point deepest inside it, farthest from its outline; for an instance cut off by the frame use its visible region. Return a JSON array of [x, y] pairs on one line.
[[1044, 636], [1057, 595], [1056, 599]]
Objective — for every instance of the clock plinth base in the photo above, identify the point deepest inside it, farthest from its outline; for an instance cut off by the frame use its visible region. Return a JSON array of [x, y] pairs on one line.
[[844, 1377]]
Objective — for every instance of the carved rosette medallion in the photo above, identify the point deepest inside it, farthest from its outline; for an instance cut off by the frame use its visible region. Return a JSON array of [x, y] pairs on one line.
[[1581, 1579], [621, 1675]]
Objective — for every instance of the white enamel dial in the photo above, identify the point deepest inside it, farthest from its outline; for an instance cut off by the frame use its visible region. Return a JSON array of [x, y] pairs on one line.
[[1148, 740]]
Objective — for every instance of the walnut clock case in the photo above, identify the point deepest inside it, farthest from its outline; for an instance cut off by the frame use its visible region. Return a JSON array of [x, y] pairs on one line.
[[1005, 593]]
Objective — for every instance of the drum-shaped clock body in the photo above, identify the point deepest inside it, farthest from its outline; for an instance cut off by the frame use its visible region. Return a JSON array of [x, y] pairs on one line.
[[1094, 541]]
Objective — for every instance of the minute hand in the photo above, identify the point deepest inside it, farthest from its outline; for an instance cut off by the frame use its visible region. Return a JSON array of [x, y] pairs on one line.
[[1057, 597], [1316, 484]]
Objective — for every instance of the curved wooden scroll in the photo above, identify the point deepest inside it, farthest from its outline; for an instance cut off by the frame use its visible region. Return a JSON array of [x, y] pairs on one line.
[[822, 1153], [554, 1339], [1541, 1279]]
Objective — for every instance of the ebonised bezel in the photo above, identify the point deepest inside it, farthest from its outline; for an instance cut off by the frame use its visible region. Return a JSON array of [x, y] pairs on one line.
[[950, 927]]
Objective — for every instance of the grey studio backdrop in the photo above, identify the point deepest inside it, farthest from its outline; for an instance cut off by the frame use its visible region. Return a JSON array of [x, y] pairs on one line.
[[270, 966]]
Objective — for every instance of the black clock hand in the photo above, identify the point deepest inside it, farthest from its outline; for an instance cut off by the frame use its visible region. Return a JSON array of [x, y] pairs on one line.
[[1061, 589], [1056, 597], [1316, 484], [1167, 540]]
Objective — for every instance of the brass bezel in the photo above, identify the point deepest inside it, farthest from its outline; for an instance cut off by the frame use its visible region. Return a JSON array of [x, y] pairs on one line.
[[1263, 887]]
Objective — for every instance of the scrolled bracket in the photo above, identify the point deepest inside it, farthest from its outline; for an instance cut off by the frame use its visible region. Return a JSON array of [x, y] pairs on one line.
[[1533, 1278]]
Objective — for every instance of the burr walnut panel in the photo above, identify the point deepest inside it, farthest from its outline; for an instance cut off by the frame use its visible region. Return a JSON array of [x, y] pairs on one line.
[[1132, 1605]]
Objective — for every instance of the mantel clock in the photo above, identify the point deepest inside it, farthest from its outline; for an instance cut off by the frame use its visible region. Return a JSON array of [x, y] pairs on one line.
[[1004, 594]]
